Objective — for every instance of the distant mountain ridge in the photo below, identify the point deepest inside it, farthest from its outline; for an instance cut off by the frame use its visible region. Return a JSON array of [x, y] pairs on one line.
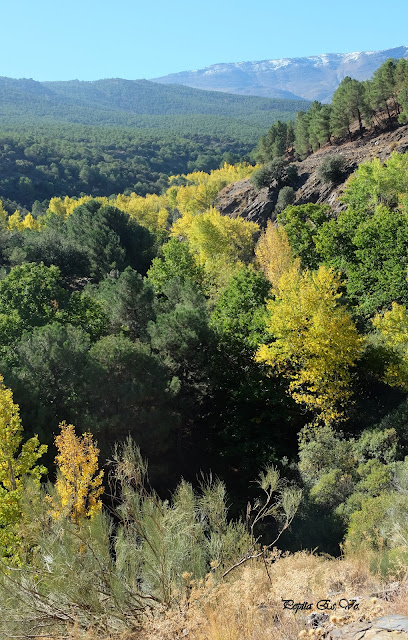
[[311, 78], [127, 102]]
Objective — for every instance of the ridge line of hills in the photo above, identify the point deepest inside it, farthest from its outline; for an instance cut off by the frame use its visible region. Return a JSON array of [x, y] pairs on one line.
[[120, 101], [311, 77]]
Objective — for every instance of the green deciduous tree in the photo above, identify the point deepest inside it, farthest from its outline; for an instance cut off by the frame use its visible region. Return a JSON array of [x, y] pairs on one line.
[[177, 261], [301, 224]]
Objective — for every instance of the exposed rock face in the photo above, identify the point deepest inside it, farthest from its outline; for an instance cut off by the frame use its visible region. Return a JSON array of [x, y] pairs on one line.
[[241, 199], [386, 628]]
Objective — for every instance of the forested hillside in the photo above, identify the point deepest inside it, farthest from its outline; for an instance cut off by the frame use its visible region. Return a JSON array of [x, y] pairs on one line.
[[112, 136], [181, 391], [355, 107], [117, 101]]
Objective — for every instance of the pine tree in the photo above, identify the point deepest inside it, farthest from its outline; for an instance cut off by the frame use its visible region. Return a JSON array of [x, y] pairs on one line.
[[302, 142], [348, 104], [314, 125], [382, 86], [323, 124]]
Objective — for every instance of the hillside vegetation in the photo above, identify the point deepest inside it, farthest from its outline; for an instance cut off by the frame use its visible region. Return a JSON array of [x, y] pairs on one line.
[[354, 105], [197, 391], [111, 136]]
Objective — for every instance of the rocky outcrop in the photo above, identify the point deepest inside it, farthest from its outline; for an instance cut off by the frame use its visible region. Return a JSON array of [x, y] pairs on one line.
[[386, 628], [241, 199]]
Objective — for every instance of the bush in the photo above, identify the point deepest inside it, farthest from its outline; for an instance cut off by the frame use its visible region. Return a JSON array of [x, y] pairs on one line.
[[286, 197], [276, 171], [331, 169], [106, 573]]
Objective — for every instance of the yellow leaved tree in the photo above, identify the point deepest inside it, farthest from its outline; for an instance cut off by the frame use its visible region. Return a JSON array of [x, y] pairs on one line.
[[315, 342], [274, 254], [30, 223], [63, 207], [392, 333], [79, 484], [201, 189], [3, 216], [218, 243], [14, 222], [17, 462]]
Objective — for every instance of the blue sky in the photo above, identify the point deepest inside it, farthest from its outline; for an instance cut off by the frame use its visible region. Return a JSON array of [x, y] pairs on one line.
[[92, 39]]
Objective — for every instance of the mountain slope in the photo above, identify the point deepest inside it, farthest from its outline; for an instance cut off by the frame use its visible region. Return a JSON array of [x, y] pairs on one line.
[[241, 199], [135, 103], [146, 97], [115, 135], [312, 78]]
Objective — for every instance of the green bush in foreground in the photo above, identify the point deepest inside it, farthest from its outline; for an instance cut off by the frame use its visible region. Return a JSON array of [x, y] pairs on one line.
[[106, 576]]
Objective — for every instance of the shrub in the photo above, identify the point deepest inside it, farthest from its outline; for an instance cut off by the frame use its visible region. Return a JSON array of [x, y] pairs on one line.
[[286, 197], [276, 171], [331, 169], [106, 575]]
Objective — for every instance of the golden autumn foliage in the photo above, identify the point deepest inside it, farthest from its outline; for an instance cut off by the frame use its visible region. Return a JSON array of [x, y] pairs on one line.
[[152, 211], [14, 222], [392, 332], [79, 484], [315, 341], [201, 189], [65, 206], [211, 236], [3, 215], [274, 254], [16, 461]]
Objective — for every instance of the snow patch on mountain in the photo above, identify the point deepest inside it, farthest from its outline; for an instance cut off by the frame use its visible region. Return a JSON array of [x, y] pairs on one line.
[[313, 77]]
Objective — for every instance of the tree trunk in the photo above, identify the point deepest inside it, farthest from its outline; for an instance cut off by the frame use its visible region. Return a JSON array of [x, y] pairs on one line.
[[360, 123]]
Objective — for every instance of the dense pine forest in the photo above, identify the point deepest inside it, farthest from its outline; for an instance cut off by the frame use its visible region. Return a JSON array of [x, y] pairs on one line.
[[115, 136], [183, 391]]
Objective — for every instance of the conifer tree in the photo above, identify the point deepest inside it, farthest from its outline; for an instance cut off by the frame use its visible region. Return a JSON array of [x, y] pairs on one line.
[[323, 124], [314, 125], [348, 104], [382, 86], [275, 142], [302, 142]]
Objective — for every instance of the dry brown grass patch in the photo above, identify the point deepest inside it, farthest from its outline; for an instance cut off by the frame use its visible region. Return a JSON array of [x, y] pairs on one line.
[[248, 605]]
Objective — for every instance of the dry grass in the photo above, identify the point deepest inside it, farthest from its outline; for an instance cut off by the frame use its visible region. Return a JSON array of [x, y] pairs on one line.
[[248, 605]]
